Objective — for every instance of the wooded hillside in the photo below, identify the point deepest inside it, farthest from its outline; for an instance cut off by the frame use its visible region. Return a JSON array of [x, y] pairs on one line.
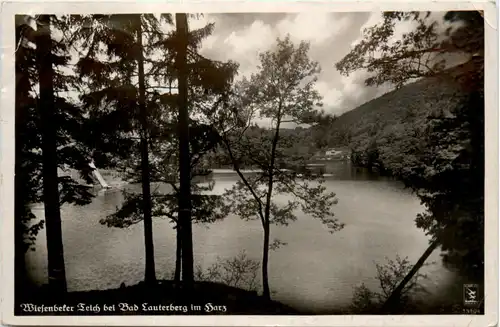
[[383, 132]]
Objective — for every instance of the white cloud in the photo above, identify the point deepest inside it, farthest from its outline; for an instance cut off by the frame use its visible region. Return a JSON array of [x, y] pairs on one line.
[[332, 97], [374, 19], [407, 26], [208, 43], [354, 90], [244, 45], [331, 35], [352, 85], [313, 27], [200, 22], [257, 37], [377, 19]]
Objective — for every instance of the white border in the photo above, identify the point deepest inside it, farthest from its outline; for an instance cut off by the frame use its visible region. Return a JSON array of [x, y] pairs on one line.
[[7, 162]]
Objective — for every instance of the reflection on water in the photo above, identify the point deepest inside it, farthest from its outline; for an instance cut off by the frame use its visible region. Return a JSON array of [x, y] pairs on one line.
[[316, 270]]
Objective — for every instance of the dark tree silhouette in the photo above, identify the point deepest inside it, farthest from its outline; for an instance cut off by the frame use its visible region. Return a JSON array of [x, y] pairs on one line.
[[57, 273], [115, 100], [447, 172], [110, 84], [48, 129], [184, 157]]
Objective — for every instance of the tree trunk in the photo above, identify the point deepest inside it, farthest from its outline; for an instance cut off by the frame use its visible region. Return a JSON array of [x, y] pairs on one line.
[[46, 106], [150, 275], [396, 294], [265, 259], [267, 211], [184, 156], [178, 256]]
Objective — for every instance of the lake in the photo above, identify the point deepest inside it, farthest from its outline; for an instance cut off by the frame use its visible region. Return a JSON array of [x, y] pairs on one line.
[[316, 270]]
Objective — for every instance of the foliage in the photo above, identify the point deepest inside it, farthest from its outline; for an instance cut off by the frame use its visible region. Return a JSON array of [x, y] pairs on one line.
[[28, 162], [206, 208], [207, 80], [389, 275], [114, 98], [68, 121], [240, 272], [450, 182], [117, 48], [108, 68], [282, 91], [423, 52], [432, 135], [48, 137], [385, 125]]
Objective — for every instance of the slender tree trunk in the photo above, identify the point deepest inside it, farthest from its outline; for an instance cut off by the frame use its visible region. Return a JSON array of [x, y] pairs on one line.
[[150, 275], [393, 299], [267, 213], [184, 156], [265, 259], [46, 106], [178, 256]]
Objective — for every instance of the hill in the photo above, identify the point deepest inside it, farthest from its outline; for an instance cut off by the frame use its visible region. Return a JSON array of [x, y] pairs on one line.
[[382, 132]]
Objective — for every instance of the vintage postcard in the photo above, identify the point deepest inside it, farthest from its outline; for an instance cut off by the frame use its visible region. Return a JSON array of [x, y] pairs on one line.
[[227, 163]]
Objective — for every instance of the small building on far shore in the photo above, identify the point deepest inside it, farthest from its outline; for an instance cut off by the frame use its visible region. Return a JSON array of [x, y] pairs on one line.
[[333, 153]]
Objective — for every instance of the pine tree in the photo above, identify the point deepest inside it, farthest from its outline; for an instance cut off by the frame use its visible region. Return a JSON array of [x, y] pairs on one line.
[[114, 98], [27, 180], [57, 275], [119, 91], [48, 125], [203, 86], [206, 208], [184, 157]]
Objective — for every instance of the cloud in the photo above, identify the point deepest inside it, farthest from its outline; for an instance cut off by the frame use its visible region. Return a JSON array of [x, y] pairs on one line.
[[240, 37], [257, 37], [313, 27], [246, 44], [354, 91], [332, 97], [209, 42]]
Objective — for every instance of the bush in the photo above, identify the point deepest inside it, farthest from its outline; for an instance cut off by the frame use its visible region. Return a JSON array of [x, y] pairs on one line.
[[389, 275], [240, 272]]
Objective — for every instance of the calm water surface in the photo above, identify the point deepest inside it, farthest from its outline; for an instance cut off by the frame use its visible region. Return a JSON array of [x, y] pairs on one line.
[[315, 271]]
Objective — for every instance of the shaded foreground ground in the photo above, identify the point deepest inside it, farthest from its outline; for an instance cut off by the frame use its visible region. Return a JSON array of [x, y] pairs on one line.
[[163, 299], [208, 298]]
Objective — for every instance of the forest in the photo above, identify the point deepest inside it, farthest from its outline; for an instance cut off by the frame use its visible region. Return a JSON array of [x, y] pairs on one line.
[[132, 94]]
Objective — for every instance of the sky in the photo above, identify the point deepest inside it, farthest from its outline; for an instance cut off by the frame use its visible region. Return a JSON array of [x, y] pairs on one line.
[[240, 37]]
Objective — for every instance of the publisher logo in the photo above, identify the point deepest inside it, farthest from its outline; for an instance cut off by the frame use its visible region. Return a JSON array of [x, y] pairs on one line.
[[471, 294]]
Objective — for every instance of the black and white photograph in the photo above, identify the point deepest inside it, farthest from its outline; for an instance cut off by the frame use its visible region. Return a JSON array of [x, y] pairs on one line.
[[303, 163]]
